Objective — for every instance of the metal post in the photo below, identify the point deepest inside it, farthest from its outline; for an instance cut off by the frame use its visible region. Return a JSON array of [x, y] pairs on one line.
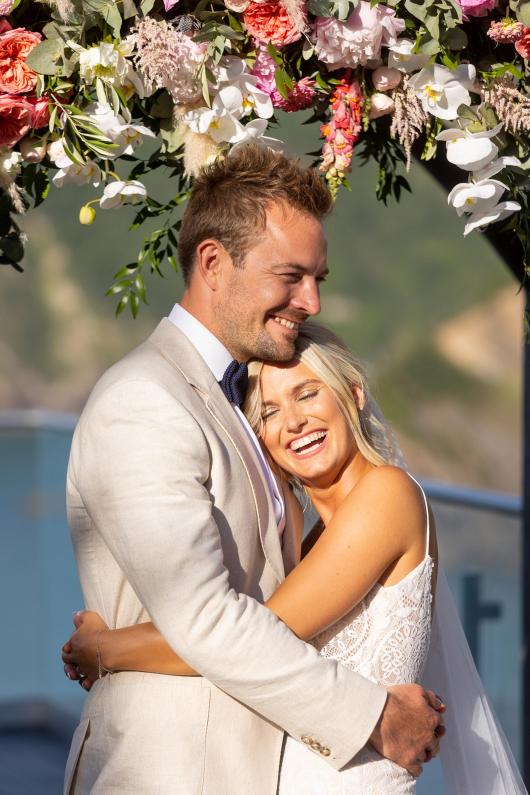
[[525, 572]]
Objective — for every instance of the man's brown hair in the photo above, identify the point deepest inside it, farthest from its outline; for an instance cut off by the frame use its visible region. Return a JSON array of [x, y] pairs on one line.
[[230, 198]]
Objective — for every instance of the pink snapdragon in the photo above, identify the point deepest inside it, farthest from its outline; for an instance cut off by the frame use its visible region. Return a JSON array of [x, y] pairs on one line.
[[342, 132]]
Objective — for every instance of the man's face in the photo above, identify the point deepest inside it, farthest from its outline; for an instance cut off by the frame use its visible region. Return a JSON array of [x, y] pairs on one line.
[[261, 305]]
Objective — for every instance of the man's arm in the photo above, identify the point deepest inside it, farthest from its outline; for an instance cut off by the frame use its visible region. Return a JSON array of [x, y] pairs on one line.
[[145, 470]]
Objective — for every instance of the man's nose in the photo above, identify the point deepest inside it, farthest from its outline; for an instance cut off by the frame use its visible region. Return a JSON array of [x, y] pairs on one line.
[[308, 296]]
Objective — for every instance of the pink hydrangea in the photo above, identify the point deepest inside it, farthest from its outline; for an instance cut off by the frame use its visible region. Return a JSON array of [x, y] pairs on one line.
[[358, 40], [477, 8], [5, 7]]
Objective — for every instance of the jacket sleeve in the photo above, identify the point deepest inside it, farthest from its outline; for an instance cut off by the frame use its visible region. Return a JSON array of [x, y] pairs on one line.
[[142, 467]]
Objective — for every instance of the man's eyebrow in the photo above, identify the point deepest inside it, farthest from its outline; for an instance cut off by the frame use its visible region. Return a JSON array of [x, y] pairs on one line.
[[297, 267]]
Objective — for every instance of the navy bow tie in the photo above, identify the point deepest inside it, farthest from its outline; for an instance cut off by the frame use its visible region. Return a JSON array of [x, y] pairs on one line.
[[234, 382]]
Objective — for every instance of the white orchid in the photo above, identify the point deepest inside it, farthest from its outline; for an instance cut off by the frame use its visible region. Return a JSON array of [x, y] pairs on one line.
[[106, 60], [481, 201], [121, 192], [70, 172], [221, 121], [234, 72], [400, 56], [253, 131], [495, 166], [467, 150], [442, 91], [118, 128]]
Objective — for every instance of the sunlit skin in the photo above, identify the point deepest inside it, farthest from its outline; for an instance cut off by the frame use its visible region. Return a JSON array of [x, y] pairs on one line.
[[296, 404], [279, 281]]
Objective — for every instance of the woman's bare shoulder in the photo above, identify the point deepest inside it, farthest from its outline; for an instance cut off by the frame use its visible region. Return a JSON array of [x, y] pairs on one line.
[[390, 493]]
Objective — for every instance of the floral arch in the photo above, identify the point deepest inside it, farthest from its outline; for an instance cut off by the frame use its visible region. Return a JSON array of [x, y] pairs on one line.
[[84, 82]]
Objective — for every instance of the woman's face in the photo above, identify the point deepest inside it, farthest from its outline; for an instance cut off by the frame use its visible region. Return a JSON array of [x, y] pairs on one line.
[[304, 429]]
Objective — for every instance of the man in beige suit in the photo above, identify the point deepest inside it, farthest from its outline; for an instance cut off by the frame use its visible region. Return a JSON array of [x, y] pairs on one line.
[[176, 518]]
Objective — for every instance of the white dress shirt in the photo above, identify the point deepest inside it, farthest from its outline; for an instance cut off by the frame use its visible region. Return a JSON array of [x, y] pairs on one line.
[[218, 358]]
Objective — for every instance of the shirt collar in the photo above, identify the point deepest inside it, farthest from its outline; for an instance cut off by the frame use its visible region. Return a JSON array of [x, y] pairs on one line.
[[206, 344]]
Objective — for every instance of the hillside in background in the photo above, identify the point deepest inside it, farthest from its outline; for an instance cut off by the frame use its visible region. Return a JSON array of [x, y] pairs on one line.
[[435, 317]]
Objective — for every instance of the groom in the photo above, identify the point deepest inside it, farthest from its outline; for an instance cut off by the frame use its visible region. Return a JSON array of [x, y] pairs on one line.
[[176, 518]]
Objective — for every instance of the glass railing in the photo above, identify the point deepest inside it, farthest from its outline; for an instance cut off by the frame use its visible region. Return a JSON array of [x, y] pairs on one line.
[[479, 537]]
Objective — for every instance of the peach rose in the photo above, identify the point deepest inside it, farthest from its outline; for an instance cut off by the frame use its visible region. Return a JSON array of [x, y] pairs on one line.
[[16, 77], [270, 22], [523, 44], [16, 118], [385, 78], [381, 105]]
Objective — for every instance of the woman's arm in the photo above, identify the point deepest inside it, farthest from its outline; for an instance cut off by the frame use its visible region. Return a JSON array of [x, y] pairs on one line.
[[378, 529]]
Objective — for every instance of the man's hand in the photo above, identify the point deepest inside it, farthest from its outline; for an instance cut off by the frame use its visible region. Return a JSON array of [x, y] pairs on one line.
[[79, 653], [410, 727]]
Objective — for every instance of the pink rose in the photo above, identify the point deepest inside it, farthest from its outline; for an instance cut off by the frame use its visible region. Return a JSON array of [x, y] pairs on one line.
[[523, 44], [5, 7], [16, 77], [270, 22], [385, 78], [358, 40], [16, 118], [237, 6], [41, 111], [477, 8], [168, 4]]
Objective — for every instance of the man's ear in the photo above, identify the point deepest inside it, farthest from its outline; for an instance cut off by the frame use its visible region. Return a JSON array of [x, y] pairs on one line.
[[209, 262], [359, 397]]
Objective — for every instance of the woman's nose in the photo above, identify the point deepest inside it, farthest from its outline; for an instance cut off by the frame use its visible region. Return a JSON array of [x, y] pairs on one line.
[[295, 420]]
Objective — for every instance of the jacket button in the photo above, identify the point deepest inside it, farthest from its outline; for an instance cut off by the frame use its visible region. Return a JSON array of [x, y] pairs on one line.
[[325, 751], [305, 739], [315, 745]]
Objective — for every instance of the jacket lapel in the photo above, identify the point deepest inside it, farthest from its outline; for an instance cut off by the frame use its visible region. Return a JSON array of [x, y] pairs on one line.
[[178, 350]]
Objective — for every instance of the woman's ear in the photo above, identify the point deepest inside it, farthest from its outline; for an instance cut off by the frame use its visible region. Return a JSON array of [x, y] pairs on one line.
[[359, 397]]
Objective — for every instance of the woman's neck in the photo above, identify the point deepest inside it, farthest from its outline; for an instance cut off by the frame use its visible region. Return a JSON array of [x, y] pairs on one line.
[[326, 499]]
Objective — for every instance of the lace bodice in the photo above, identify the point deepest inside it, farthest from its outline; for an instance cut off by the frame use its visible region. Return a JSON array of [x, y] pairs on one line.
[[386, 639], [386, 636]]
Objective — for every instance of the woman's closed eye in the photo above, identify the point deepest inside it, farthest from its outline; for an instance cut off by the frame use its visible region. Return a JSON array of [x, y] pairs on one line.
[[308, 394], [268, 412]]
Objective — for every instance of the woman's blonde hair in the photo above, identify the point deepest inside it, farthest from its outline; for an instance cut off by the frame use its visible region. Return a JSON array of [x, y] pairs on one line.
[[329, 359]]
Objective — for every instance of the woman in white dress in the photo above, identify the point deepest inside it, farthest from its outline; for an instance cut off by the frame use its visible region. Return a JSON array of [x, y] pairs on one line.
[[363, 591]]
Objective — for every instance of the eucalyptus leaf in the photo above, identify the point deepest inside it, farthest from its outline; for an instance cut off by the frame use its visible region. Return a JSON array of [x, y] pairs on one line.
[[146, 6], [465, 112], [455, 39], [129, 9], [523, 13], [320, 8], [46, 57], [430, 47]]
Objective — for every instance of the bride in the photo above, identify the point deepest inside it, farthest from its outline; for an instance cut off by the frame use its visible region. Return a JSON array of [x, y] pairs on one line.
[[363, 592]]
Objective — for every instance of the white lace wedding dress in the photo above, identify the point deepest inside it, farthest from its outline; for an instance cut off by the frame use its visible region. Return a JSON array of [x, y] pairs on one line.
[[386, 639]]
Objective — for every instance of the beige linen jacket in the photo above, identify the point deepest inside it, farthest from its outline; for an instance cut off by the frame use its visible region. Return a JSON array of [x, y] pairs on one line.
[[172, 521]]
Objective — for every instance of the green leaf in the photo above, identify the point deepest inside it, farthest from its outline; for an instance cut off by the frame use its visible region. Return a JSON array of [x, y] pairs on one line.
[[124, 300], [523, 13], [139, 284], [53, 117], [284, 83], [46, 57], [465, 112], [320, 8], [119, 287], [455, 39], [129, 9], [146, 6], [134, 304]]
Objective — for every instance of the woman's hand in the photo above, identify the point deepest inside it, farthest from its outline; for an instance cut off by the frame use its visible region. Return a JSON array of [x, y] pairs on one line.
[[80, 652]]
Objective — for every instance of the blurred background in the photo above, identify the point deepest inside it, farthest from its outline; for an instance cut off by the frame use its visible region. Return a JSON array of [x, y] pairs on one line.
[[435, 317]]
